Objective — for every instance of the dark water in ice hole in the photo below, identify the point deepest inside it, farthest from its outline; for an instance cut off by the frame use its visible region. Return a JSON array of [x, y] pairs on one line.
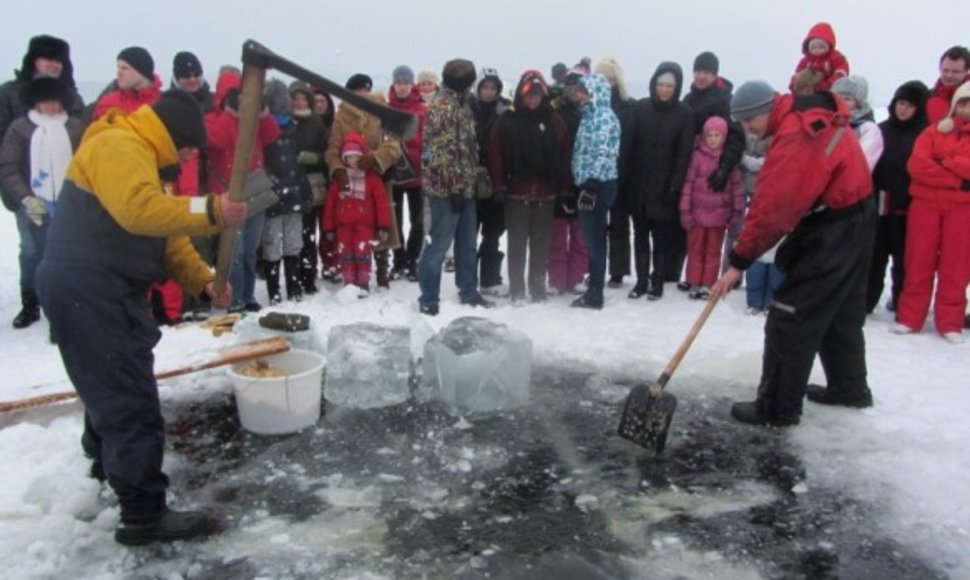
[[511, 510]]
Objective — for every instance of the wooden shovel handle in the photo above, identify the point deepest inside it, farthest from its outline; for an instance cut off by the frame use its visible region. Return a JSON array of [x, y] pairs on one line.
[[685, 344], [227, 356]]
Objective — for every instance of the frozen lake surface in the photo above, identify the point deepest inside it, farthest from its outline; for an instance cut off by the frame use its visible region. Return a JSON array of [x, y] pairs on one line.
[[547, 491]]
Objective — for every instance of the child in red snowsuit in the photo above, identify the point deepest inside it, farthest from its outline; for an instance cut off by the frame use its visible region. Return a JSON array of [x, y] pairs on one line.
[[706, 214], [357, 217], [821, 57]]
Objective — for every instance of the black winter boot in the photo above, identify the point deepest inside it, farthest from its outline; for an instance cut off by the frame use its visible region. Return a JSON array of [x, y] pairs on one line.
[[291, 269], [751, 414], [826, 396], [656, 289], [30, 313], [383, 261], [172, 526], [308, 277], [272, 271]]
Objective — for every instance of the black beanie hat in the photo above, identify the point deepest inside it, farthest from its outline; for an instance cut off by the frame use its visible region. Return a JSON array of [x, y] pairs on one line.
[[182, 117], [139, 59], [41, 89], [458, 75], [707, 61], [359, 81], [186, 64]]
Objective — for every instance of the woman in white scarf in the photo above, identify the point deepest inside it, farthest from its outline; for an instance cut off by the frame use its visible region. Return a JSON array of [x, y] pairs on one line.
[[34, 157]]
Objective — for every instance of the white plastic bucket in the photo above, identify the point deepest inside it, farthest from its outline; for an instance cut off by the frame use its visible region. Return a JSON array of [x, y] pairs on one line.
[[279, 405]]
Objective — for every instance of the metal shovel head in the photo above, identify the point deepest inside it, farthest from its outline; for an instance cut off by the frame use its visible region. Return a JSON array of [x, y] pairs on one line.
[[646, 419]]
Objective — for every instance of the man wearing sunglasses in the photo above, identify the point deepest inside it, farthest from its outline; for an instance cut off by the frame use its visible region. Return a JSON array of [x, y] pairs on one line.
[[187, 75]]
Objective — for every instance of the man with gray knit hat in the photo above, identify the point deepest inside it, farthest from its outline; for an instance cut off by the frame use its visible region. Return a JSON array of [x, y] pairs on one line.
[[815, 189]]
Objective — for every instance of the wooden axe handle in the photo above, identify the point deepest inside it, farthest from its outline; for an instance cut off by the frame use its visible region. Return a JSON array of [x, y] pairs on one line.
[[250, 105], [227, 356], [395, 121]]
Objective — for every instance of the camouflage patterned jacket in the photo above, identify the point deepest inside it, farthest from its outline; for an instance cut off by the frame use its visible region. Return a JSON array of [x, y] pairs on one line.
[[450, 155]]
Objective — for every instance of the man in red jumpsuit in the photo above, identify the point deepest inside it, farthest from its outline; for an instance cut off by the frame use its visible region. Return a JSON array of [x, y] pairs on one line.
[[815, 189]]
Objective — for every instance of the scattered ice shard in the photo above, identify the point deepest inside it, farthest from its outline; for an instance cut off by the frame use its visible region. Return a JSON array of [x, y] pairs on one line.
[[368, 365], [475, 364]]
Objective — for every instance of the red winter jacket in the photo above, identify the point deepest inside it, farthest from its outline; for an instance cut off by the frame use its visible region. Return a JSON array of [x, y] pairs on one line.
[[832, 64], [350, 207], [938, 105], [798, 175], [222, 132], [415, 105], [940, 164], [129, 101]]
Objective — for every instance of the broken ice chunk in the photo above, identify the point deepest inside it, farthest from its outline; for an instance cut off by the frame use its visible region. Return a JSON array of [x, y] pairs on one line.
[[475, 364], [368, 365]]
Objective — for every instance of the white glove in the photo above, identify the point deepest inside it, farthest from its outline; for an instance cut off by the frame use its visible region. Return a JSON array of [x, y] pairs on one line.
[[36, 209], [752, 163]]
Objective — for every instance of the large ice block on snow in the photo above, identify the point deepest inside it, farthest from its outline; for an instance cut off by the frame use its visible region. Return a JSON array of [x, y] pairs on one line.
[[475, 364], [368, 365]]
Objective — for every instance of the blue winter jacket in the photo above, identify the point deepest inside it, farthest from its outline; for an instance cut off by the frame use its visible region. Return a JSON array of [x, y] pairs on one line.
[[597, 144]]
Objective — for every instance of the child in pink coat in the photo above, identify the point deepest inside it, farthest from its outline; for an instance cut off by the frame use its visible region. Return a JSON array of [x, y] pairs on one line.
[[706, 214]]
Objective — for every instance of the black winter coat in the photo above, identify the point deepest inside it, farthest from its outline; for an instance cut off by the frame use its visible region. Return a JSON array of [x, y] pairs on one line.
[[485, 116], [312, 135], [890, 174], [716, 100], [655, 152], [291, 182]]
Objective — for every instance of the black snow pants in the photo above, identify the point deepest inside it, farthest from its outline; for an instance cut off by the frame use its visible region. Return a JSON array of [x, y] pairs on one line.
[[819, 309], [491, 224], [105, 335]]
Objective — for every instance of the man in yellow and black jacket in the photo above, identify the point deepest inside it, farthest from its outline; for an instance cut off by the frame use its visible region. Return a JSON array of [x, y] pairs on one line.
[[116, 232]]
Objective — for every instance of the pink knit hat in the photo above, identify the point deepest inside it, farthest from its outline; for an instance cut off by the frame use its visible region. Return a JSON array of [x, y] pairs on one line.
[[717, 124], [351, 147]]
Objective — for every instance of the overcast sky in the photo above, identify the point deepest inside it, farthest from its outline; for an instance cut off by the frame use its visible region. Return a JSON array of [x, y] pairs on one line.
[[889, 42]]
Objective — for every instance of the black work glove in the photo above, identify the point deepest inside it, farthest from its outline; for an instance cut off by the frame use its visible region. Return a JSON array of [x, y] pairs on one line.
[[457, 203], [587, 195], [718, 179], [965, 185]]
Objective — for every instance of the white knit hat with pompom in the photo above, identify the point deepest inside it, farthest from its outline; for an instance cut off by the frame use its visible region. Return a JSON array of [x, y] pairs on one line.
[[963, 92]]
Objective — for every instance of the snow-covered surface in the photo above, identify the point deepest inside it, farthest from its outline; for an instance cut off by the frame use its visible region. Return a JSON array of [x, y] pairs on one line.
[[906, 455]]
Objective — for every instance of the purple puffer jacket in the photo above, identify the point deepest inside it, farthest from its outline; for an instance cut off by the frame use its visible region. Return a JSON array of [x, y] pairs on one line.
[[699, 204]]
